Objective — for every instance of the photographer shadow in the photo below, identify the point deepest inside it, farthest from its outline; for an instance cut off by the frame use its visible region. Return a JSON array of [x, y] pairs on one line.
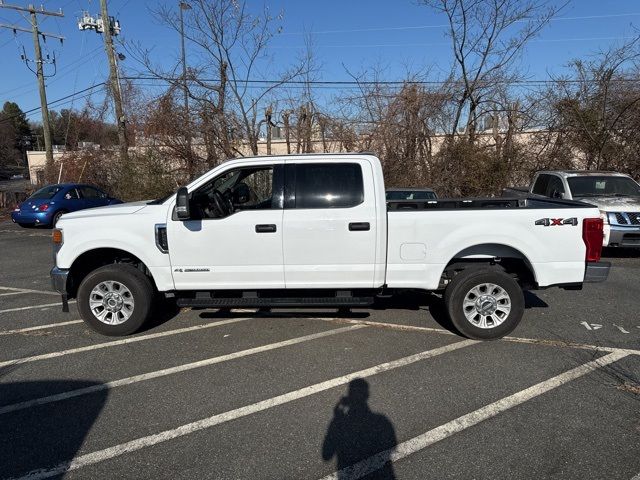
[[356, 433]]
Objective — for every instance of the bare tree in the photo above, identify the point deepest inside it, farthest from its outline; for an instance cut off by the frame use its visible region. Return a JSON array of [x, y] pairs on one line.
[[231, 44], [596, 108], [487, 36]]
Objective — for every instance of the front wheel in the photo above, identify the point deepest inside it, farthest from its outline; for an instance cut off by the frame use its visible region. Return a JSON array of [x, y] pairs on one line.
[[115, 300], [484, 304]]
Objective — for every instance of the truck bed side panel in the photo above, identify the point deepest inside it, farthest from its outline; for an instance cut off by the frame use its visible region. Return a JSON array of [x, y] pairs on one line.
[[422, 243]]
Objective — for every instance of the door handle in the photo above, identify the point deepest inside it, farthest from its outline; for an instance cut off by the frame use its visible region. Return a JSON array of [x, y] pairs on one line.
[[359, 227], [265, 228]]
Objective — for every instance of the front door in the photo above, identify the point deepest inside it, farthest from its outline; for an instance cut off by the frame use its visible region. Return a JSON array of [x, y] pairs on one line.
[[234, 237]]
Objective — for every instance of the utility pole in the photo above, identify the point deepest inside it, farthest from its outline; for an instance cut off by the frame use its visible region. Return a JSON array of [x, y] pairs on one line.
[[36, 33], [110, 27], [185, 6], [113, 80]]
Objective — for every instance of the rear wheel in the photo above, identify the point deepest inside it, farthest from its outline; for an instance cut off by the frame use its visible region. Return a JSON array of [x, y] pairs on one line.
[[115, 300], [484, 304]]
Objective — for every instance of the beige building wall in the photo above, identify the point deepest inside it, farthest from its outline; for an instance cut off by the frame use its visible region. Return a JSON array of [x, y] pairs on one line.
[[36, 161]]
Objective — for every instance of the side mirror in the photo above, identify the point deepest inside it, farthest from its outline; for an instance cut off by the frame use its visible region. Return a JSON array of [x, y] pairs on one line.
[[182, 204]]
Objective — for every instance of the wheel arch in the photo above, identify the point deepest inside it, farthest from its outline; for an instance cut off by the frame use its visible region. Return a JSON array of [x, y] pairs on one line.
[[502, 256], [95, 258]]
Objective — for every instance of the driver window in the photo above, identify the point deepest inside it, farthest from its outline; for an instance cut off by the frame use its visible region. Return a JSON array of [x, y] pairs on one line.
[[247, 188]]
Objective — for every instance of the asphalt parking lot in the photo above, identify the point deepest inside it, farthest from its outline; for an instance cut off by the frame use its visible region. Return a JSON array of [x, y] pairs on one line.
[[380, 393]]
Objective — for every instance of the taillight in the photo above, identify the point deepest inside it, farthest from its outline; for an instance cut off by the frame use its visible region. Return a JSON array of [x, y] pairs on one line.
[[17, 208], [44, 207], [592, 235]]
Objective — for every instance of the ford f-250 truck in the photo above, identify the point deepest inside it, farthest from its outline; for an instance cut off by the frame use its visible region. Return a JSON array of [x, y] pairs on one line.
[[316, 231], [616, 195]]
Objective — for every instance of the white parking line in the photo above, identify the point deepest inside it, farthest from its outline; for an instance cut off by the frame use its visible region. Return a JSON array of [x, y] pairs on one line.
[[17, 309], [169, 371], [39, 327], [27, 290], [124, 341], [143, 442], [404, 449], [11, 293], [531, 341]]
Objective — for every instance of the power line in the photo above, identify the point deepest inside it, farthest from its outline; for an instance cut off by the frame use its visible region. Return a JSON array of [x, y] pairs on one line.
[[422, 27], [58, 100], [376, 82]]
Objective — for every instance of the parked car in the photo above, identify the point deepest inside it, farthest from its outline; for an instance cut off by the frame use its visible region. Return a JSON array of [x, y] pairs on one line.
[[410, 193], [47, 205], [616, 195], [316, 231]]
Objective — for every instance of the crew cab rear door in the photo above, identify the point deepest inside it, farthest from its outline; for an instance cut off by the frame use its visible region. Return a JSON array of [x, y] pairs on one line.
[[329, 224]]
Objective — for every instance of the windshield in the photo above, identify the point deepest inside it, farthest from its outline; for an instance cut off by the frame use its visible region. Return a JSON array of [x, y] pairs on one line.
[[603, 186], [410, 195], [46, 193]]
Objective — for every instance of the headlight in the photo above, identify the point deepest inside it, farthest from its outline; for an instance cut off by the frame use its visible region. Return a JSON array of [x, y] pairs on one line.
[[605, 217]]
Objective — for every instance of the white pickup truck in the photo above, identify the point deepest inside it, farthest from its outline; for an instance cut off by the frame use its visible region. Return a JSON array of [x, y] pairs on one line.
[[316, 231]]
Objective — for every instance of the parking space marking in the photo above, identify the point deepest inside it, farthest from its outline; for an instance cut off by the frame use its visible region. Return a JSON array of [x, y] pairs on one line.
[[31, 307], [123, 341], [169, 371], [26, 234], [404, 449], [205, 423], [531, 341], [39, 327], [27, 290]]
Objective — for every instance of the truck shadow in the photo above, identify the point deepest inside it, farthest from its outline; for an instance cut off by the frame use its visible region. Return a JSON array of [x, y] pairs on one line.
[[417, 300], [46, 436], [164, 310], [269, 313], [408, 300]]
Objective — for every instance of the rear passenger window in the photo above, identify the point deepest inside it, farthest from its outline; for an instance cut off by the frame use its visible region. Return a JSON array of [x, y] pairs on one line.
[[540, 187], [89, 193], [329, 185], [555, 188]]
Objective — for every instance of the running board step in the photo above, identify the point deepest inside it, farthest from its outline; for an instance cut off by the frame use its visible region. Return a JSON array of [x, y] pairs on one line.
[[249, 302]]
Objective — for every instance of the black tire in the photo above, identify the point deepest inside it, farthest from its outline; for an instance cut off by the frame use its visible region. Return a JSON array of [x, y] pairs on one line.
[[138, 284], [463, 283], [56, 217]]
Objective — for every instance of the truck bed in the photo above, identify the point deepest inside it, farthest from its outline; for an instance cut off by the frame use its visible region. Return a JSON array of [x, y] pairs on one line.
[[529, 202]]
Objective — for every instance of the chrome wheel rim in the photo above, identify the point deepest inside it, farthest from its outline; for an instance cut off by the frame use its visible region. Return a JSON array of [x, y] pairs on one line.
[[486, 305], [111, 302]]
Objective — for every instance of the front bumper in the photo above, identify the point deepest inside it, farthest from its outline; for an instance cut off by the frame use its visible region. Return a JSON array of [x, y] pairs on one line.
[[596, 272], [59, 277], [624, 236]]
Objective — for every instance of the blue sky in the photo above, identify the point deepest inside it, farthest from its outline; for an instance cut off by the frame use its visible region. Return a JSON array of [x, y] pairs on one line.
[[357, 33]]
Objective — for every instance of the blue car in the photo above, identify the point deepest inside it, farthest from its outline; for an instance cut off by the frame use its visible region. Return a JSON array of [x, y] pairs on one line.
[[48, 204]]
